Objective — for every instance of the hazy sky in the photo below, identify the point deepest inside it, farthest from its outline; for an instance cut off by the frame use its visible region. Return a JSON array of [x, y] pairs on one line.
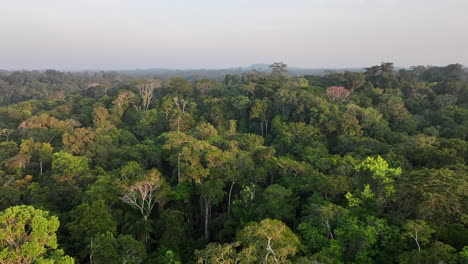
[[129, 34]]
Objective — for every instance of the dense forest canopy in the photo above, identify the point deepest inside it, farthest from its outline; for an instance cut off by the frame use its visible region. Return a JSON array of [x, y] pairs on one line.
[[258, 167]]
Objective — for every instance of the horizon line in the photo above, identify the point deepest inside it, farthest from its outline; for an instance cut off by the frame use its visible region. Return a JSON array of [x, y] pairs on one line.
[[252, 66]]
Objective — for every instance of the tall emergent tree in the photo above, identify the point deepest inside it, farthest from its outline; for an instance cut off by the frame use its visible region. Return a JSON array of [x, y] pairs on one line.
[[146, 90], [144, 193]]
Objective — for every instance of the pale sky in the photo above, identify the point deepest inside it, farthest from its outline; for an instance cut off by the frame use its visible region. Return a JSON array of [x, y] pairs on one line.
[[129, 34]]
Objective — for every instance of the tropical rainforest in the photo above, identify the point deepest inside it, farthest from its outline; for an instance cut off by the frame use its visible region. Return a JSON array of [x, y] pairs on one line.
[[260, 167]]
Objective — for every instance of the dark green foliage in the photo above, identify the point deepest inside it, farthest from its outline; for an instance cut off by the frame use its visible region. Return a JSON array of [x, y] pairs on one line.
[[258, 168], [106, 248]]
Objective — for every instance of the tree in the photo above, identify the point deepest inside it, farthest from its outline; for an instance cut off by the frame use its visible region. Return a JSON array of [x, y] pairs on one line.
[[5, 132], [179, 86], [418, 230], [17, 163], [356, 241], [180, 119], [278, 203], [278, 68], [44, 152], [143, 194], [239, 164], [45, 128], [124, 99], [378, 179], [394, 109], [231, 79], [198, 162], [204, 86], [44, 121], [69, 169], [379, 73], [89, 220], [438, 253], [9, 196], [354, 80], [434, 194], [211, 192], [166, 257], [80, 141], [326, 215], [107, 249], [269, 241], [173, 226], [101, 119], [260, 111], [215, 253], [38, 150], [146, 90], [131, 171], [27, 235], [337, 93]]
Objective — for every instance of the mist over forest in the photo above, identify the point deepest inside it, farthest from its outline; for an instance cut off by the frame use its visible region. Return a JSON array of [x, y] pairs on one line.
[[198, 74]]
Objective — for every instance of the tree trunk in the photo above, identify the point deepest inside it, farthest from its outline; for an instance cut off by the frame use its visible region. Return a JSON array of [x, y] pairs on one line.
[[148, 103], [178, 167], [417, 242], [145, 234], [207, 217], [327, 225], [229, 197], [91, 254], [160, 208], [40, 165]]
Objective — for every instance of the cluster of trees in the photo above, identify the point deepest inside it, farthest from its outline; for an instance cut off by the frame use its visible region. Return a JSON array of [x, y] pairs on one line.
[[346, 167]]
